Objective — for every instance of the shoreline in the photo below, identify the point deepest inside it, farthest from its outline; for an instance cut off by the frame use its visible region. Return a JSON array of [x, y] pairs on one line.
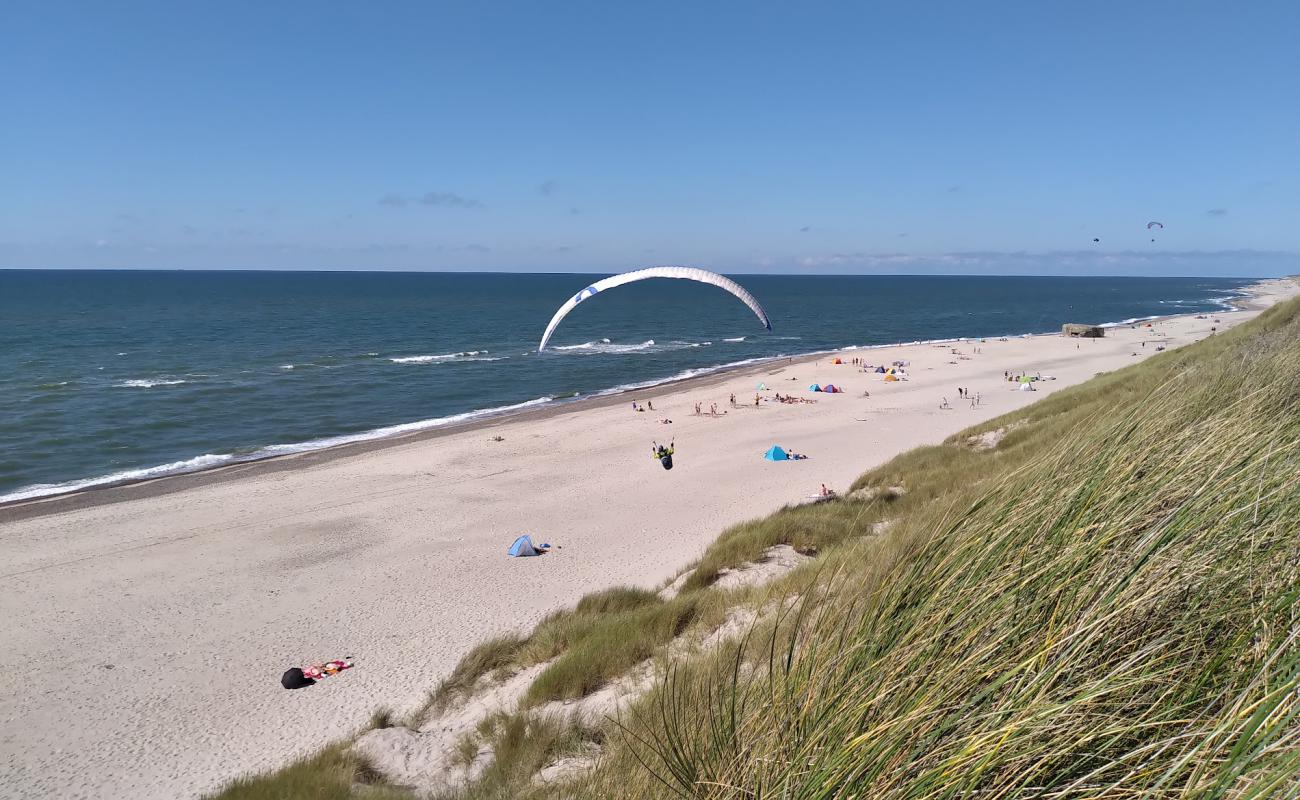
[[60, 500], [396, 554]]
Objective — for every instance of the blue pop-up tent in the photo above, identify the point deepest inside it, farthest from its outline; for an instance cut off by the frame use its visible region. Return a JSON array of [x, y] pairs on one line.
[[523, 546], [776, 454], [814, 388]]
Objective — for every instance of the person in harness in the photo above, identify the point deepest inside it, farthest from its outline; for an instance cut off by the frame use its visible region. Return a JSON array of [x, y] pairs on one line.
[[664, 454]]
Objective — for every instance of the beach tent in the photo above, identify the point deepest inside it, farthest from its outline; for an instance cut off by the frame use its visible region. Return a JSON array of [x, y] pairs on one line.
[[1025, 379], [762, 387], [881, 369], [832, 388], [836, 361], [523, 546], [814, 388], [776, 454], [891, 377]]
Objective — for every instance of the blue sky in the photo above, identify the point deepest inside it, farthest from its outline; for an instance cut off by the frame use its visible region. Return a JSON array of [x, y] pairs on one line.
[[747, 137]]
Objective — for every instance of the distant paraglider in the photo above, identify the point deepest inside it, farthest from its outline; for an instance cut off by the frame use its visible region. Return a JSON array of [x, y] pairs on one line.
[[1154, 224], [1096, 240], [685, 273]]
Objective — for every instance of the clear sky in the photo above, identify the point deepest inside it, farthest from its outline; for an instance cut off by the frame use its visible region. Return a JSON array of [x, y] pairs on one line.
[[958, 137]]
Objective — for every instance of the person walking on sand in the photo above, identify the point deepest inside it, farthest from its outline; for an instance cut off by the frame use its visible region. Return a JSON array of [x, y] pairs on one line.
[[650, 405], [755, 399]]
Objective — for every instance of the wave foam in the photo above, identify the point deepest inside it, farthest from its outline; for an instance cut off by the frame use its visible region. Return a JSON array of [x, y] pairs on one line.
[[606, 347], [149, 383], [468, 355], [737, 339], [1129, 321], [176, 467]]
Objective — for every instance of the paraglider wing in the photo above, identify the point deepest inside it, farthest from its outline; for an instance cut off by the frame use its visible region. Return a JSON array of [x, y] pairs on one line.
[[684, 273], [1153, 224]]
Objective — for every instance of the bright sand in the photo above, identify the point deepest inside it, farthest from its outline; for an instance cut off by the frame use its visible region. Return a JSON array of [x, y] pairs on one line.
[[145, 628]]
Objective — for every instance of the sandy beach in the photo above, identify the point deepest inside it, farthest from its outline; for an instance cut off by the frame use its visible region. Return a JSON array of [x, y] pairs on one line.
[[147, 625]]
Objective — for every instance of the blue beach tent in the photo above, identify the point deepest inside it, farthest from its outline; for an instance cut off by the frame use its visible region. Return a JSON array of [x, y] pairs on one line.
[[814, 388], [523, 546], [776, 454]]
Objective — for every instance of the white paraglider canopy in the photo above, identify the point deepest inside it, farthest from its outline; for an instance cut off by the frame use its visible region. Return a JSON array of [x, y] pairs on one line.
[[683, 273]]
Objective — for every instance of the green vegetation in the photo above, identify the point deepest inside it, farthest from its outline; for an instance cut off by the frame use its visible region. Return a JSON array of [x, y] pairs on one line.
[[1101, 605], [332, 774]]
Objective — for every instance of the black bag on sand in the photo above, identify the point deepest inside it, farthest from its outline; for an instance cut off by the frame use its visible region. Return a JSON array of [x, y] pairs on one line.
[[293, 678]]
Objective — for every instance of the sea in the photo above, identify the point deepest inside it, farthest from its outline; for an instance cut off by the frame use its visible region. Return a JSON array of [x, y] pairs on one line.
[[110, 376]]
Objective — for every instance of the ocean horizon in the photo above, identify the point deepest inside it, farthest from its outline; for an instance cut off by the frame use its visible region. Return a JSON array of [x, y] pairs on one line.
[[113, 376]]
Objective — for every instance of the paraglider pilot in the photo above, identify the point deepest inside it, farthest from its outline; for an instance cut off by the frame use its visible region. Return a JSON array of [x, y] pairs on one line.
[[664, 454]]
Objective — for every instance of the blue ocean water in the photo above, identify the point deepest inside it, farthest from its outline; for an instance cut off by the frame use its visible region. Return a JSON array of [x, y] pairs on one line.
[[114, 375]]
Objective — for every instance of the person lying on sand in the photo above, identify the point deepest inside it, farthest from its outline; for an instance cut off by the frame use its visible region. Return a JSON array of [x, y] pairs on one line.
[[301, 677]]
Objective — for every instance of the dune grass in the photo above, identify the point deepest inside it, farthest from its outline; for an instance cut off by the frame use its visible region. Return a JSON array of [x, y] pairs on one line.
[[1103, 605], [332, 774]]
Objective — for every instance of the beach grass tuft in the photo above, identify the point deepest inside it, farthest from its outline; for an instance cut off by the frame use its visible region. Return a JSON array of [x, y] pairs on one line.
[[335, 773]]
